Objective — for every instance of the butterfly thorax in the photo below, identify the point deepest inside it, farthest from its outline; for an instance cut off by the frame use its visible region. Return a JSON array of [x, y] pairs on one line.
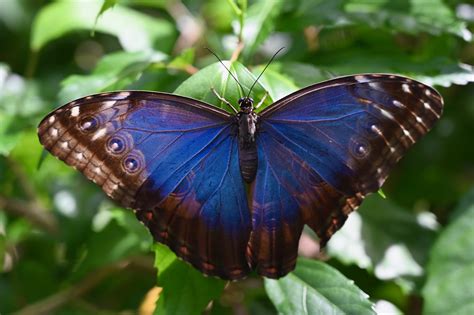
[[247, 121]]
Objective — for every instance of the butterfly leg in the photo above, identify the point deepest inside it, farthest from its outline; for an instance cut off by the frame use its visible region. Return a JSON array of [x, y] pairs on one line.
[[262, 100], [223, 100]]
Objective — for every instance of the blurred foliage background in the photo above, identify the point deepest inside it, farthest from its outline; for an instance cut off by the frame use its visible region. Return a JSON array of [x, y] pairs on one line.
[[66, 249]]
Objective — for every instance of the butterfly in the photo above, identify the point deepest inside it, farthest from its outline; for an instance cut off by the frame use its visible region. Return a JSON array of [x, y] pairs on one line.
[[231, 193]]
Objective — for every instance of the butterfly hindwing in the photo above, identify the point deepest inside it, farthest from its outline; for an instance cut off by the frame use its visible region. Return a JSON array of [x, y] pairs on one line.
[[322, 149], [172, 159]]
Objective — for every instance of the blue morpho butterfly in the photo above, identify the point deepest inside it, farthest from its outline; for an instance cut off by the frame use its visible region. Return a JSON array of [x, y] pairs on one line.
[[230, 193]]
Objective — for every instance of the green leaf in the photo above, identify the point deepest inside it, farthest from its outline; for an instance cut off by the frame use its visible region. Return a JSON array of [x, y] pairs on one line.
[[113, 72], [259, 23], [106, 5], [316, 288], [3, 240], [9, 135], [416, 16], [216, 76], [121, 238], [136, 31], [450, 285], [185, 290], [183, 61], [277, 84], [411, 16], [386, 237]]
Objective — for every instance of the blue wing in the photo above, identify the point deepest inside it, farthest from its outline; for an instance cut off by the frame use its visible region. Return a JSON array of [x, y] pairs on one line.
[[322, 149], [172, 159]]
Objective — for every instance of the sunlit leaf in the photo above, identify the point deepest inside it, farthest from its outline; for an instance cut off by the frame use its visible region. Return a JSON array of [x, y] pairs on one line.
[[216, 76], [106, 5], [259, 22], [384, 237], [185, 290], [316, 288], [136, 31], [113, 72], [450, 285]]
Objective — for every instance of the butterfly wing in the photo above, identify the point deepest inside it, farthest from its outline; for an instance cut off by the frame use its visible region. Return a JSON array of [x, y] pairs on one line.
[[322, 149], [172, 159]]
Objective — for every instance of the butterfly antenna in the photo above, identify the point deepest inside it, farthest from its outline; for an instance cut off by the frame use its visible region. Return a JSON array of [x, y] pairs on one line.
[[226, 68], [269, 62]]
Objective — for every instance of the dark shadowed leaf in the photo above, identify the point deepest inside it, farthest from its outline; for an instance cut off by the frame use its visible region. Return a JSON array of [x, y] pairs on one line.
[[410, 16], [316, 288]]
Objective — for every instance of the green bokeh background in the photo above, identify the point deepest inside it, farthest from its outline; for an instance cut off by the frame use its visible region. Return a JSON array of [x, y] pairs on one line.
[[66, 249]]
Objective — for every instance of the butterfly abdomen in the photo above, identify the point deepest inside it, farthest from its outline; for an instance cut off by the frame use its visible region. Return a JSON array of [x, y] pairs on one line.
[[248, 158]]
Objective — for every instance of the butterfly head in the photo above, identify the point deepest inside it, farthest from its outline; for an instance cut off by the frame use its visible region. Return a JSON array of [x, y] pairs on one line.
[[246, 104]]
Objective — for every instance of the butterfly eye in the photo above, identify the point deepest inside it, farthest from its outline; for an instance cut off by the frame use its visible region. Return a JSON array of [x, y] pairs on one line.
[[116, 145], [89, 124]]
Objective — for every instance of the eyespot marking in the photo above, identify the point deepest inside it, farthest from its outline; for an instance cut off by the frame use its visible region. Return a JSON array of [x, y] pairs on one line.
[[116, 145], [89, 124], [359, 147], [131, 164]]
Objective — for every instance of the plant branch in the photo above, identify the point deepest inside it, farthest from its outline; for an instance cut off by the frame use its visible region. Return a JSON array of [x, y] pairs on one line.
[[57, 300]]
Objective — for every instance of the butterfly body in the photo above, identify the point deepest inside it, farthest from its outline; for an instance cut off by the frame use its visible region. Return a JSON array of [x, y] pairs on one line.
[[248, 156], [181, 164]]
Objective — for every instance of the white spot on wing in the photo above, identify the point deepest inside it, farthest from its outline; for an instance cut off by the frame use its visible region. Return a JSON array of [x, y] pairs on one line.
[[100, 133], [51, 119], [398, 104], [361, 78], [406, 88], [374, 85], [386, 114], [108, 104], [408, 134], [64, 145], [427, 92], [428, 107], [80, 156], [75, 111], [54, 132], [97, 170], [123, 95]]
